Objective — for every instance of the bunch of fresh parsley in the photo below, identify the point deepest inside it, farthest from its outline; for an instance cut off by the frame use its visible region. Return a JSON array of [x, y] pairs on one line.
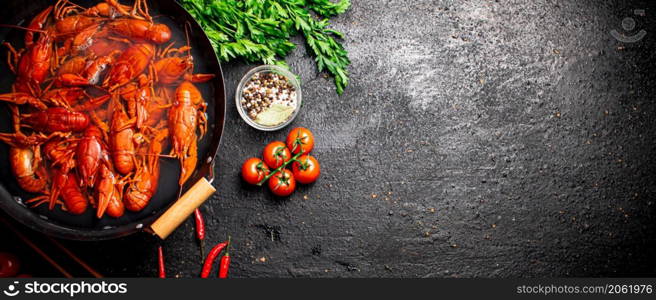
[[260, 31]]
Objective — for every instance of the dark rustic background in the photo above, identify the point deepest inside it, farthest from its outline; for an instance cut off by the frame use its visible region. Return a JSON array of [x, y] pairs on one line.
[[476, 139]]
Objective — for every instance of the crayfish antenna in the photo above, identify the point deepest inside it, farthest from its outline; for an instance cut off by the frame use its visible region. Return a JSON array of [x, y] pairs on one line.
[[39, 200], [23, 28], [190, 58]]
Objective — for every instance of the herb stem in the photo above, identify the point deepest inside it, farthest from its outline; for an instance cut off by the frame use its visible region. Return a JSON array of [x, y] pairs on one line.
[[279, 169]]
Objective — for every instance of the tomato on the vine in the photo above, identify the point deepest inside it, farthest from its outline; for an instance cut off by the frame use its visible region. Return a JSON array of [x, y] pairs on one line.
[[306, 169], [282, 183], [300, 140], [254, 170], [275, 154], [9, 265]]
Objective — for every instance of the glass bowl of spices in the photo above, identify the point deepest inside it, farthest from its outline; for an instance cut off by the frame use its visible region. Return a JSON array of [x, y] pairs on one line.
[[268, 97]]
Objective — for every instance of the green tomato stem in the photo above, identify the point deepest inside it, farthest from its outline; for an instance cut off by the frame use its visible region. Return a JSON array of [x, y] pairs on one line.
[[282, 167]]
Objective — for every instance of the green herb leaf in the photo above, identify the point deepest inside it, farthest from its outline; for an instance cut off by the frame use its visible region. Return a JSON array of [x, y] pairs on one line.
[[327, 9]]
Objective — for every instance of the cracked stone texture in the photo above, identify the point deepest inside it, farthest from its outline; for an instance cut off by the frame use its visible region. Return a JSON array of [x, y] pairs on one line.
[[476, 139]]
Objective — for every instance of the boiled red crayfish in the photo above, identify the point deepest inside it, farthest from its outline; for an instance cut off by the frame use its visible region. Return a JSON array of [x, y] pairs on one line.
[[56, 119], [144, 183], [122, 141], [186, 116], [171, 67], [129, 65], [141, 30]]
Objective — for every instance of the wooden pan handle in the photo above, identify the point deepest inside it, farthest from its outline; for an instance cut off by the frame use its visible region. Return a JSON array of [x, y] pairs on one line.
[[181, 209]]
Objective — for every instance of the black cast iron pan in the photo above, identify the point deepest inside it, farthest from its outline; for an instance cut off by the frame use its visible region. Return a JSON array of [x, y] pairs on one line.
[[86, 227]]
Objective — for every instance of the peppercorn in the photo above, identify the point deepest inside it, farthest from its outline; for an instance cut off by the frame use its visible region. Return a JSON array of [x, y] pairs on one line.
[[263, 90]]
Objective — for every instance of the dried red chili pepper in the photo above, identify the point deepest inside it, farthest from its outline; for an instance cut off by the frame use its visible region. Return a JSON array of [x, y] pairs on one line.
[[162, 269], [211, 257], [200, 229], [224, 265]]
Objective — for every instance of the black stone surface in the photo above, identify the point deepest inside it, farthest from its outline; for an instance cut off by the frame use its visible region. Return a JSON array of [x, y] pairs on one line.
[[476, 139]]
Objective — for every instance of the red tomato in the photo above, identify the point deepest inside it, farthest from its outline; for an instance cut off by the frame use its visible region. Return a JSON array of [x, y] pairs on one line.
[[275, 154], [282, 183], [254, 170], [9, 264], [308, 170], [300, 139]]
